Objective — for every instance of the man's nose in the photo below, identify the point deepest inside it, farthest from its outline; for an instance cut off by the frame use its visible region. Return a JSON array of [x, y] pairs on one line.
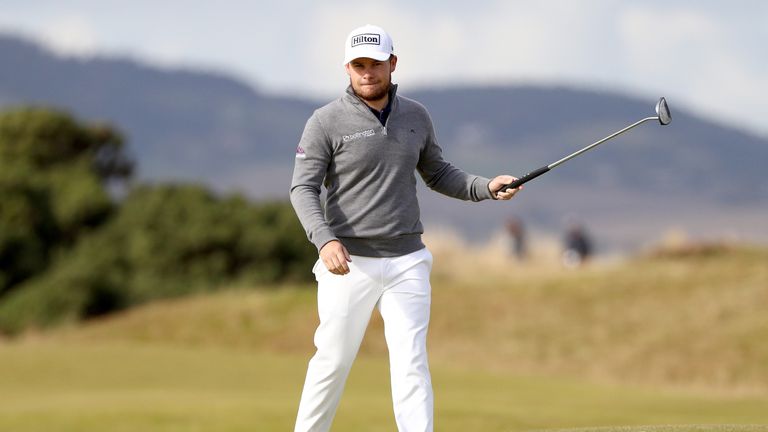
[[368, 72]]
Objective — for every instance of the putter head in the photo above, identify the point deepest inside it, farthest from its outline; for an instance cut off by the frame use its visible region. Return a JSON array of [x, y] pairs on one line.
[[662, 110]]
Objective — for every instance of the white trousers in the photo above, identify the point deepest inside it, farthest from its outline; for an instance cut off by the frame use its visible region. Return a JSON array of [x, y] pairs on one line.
[[399, 287]]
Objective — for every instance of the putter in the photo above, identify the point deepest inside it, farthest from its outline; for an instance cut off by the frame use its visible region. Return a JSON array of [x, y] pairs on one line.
[[662, 115]]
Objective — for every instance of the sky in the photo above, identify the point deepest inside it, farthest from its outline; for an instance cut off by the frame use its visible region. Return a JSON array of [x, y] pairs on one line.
[[707, 57]]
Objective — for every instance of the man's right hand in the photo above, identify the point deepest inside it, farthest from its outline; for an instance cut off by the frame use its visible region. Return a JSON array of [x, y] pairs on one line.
[[335, 257]]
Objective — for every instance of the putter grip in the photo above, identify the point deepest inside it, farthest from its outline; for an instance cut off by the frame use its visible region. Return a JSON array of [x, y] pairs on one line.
[[526, 178]]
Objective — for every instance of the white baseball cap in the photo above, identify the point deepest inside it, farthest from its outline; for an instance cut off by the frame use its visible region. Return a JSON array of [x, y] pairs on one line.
[[368, 41]]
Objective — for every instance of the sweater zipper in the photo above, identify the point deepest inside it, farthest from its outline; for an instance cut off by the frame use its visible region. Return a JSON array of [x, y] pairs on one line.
[[378, 122], [363, 106], [384, 131], [384, 127]]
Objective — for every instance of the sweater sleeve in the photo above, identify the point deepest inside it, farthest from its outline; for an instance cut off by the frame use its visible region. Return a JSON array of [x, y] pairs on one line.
[[441, 176], [313, 157]]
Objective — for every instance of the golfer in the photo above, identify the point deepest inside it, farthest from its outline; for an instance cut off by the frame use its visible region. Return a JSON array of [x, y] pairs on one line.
[[364, 148]]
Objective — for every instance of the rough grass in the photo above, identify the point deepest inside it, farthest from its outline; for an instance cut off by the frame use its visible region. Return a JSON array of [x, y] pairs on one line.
[[691, 320]]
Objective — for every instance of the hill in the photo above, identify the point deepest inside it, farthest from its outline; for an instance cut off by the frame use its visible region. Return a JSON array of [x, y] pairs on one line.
[[695, 175]]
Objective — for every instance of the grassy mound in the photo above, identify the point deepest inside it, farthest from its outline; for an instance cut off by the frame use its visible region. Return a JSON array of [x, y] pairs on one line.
[[695, 321]]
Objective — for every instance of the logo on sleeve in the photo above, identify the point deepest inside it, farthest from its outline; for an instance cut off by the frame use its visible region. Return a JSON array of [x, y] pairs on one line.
[[300, 153]]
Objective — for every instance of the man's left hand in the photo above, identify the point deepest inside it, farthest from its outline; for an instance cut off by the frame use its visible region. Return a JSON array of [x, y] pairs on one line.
[[498, 182]]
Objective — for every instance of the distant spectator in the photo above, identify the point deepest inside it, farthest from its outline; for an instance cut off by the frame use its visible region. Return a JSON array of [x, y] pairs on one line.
[[516, 237], [577, 246]]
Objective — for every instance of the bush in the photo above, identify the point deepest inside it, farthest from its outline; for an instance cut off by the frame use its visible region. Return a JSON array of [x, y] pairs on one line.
[[165, 241], [27, 229], [68, 252], [52, 175]]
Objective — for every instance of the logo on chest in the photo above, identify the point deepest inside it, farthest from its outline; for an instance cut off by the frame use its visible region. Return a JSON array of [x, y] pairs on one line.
[[358, 135]]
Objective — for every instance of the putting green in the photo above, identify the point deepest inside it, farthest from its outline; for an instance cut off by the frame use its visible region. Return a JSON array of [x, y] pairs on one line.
[[669, 428], [116, 387]]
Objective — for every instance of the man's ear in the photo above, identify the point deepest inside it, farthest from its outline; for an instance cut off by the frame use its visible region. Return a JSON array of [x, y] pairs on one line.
[[346, 68], [392, 63]]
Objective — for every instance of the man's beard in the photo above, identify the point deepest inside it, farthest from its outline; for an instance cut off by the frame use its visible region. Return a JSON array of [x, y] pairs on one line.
[[379, 94]]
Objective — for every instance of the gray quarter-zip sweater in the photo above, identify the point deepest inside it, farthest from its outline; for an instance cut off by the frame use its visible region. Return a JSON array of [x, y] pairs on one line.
[[368, 171]]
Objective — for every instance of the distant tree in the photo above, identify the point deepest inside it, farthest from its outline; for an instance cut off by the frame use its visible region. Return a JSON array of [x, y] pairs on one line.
[[53, 177], [68, 252], [165, 241], [44, 139], [27, 229]]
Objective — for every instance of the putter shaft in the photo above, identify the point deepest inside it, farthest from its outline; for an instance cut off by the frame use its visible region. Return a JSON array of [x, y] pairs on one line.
[[663, 116], [596, 143]]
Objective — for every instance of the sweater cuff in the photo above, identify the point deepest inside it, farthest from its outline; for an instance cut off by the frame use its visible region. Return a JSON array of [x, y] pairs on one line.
[[322, 238], [481, 190]]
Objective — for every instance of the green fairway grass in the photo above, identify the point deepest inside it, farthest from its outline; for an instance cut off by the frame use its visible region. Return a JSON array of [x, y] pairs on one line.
[[670, 428], [49, 386]]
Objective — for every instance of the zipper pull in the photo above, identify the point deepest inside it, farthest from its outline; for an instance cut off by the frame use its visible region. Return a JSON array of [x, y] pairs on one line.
[[384, 131]]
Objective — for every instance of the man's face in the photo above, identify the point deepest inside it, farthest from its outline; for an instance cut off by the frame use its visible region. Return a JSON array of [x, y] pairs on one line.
[[371, 78]]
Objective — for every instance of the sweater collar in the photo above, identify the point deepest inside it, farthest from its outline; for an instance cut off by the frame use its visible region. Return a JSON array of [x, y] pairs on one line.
[[350, 94]]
